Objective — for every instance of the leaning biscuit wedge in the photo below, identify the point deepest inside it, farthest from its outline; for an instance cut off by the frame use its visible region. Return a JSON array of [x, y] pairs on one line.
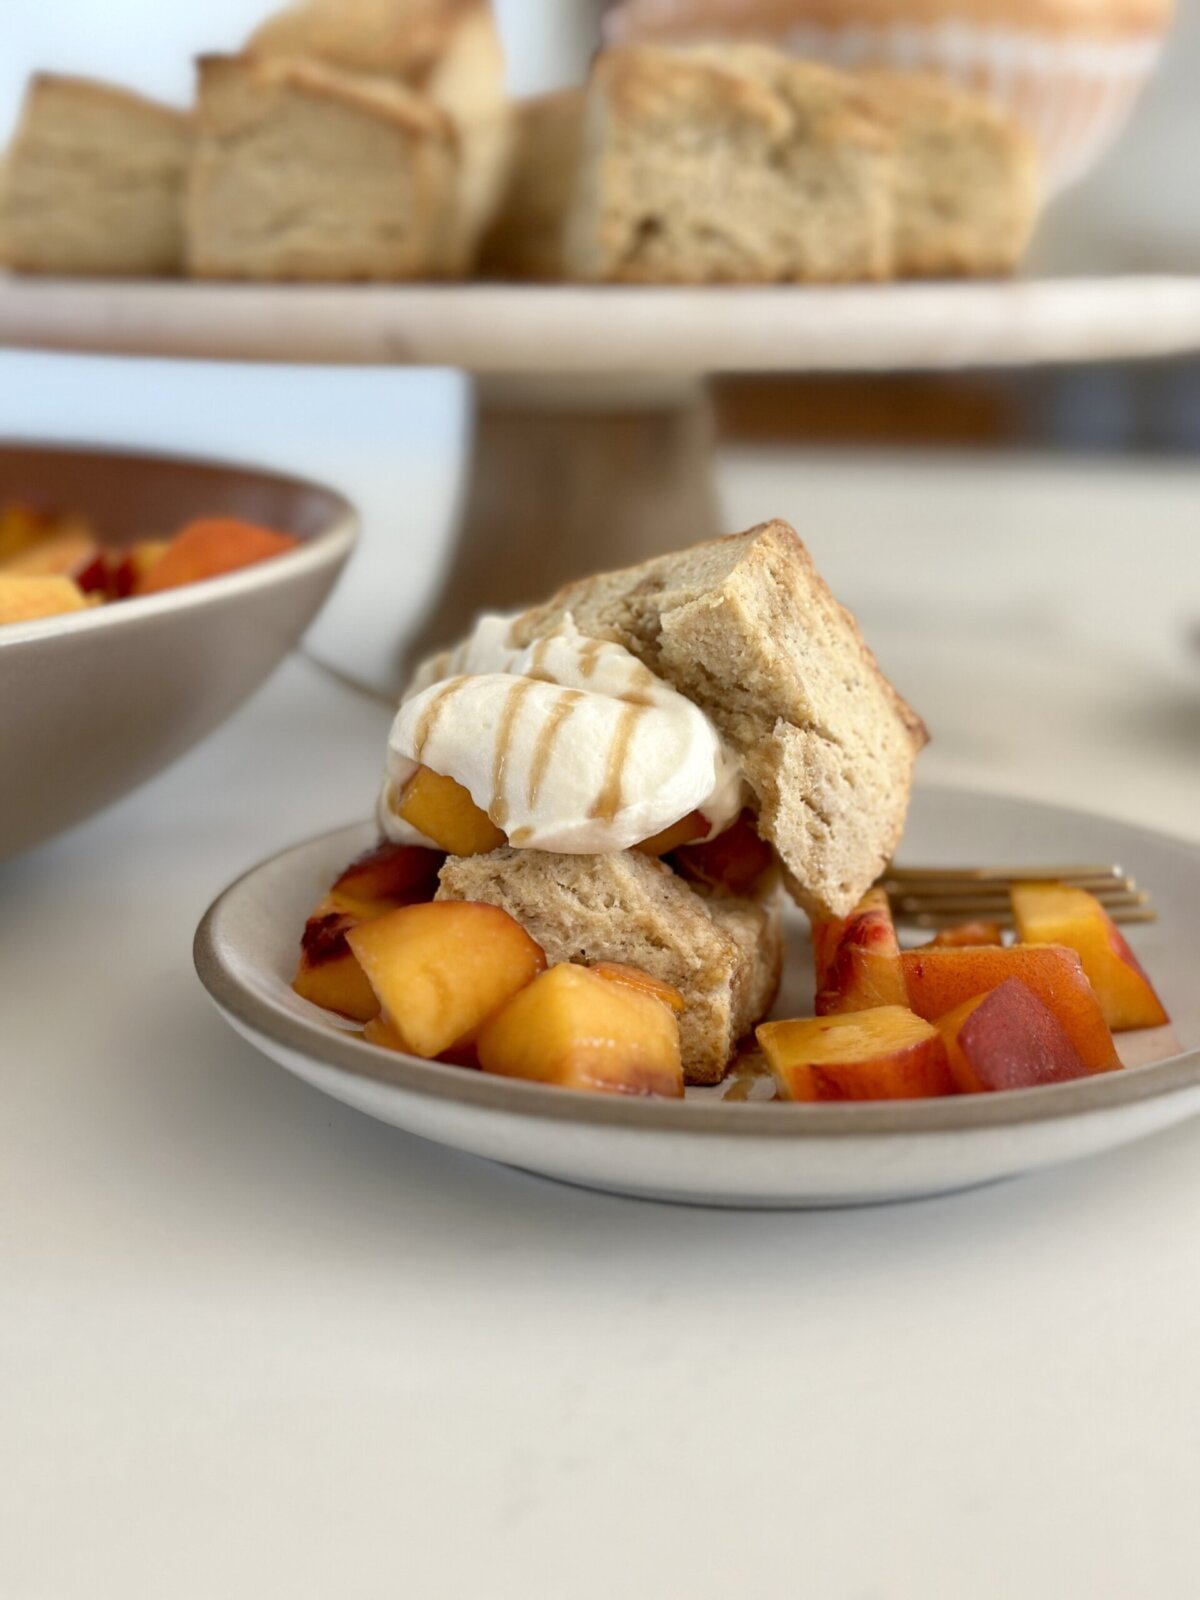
[[748, 630]]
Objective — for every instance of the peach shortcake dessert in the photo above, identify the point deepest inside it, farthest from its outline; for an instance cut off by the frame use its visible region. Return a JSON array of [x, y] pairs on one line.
[[619, 783], [592, 814]]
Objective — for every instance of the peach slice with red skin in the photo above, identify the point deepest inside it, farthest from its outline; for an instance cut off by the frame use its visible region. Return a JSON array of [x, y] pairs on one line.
[[329, 975], [737, 862], [635, 978], [885, 1053], [210, 548], [132, 567], [1007, 1039], [939, 981], [444, 811], [389, 876], [857, 959], [965, 935], [577, 1030], [383, 879], [439, 971], [1055, 913]]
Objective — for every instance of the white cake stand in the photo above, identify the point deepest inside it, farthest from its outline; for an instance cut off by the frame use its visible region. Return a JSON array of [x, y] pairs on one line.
[[592, 427]]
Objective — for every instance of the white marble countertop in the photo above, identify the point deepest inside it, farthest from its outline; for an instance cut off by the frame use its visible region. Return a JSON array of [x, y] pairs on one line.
[[254, 1344]]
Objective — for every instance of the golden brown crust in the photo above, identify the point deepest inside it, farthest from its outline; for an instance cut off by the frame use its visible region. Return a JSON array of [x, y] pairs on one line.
[[679, 19], [405, 39], [379, 98], [43, 83]]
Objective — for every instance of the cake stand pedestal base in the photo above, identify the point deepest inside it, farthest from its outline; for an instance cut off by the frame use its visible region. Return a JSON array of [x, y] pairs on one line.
[[568, 476]]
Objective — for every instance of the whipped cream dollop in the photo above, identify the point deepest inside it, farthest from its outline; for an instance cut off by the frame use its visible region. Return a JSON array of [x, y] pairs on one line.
[[570, 744]]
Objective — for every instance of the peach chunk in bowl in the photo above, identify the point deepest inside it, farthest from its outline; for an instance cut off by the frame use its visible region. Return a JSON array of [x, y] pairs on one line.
[[95, 698]]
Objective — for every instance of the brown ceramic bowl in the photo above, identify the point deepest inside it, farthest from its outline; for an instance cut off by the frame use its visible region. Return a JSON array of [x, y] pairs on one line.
[[94, 703]]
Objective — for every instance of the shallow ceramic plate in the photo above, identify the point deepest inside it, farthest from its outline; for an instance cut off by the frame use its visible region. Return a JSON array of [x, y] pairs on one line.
[[707, 1151]]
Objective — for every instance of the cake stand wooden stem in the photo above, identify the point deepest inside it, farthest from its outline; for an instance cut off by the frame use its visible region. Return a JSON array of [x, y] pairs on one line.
[[571, 475]]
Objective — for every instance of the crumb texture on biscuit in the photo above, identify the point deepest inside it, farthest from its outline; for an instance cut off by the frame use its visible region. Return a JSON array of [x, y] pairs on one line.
[[724, 957], [745, 627], [93, 182], [727, 166], [304, 172], [447, 51], [965, 179]]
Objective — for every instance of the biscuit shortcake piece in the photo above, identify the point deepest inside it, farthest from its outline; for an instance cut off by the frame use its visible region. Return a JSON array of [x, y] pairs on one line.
[[965, 179], [447, 51], [749, 631], [700, 166], [93, 182], [724, 956], [303, 172], [528, 238]]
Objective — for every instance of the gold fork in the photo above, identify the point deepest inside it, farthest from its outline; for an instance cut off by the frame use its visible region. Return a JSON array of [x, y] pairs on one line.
[[938, 897]]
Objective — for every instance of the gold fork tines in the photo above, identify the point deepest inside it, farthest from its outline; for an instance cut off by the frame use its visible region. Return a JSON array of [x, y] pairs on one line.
[[932, 897]]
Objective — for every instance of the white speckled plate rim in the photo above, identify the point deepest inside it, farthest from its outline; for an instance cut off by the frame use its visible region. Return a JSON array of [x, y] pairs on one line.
[[241, 987]]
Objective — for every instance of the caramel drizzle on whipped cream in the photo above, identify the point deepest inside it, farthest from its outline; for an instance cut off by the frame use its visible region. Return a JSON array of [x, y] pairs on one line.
[[563, 707], [589, 656], [498, 811], [608, 801], [634, 702], [432, 712]]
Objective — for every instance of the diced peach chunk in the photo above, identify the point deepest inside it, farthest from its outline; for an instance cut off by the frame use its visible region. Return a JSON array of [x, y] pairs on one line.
[[885, 1053], [738, 861], [1007, 1039], [61, 555], [965, 935], [381, 1033], [329, 975], [693, 826], [577, 1030], [857, 959], [389, 876], [444, 811], [635, 978], [441, 970], [29, 599], [939, 981], [381, 880], [132, 567], [209, 549], [22, 527], [1055, 913]]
